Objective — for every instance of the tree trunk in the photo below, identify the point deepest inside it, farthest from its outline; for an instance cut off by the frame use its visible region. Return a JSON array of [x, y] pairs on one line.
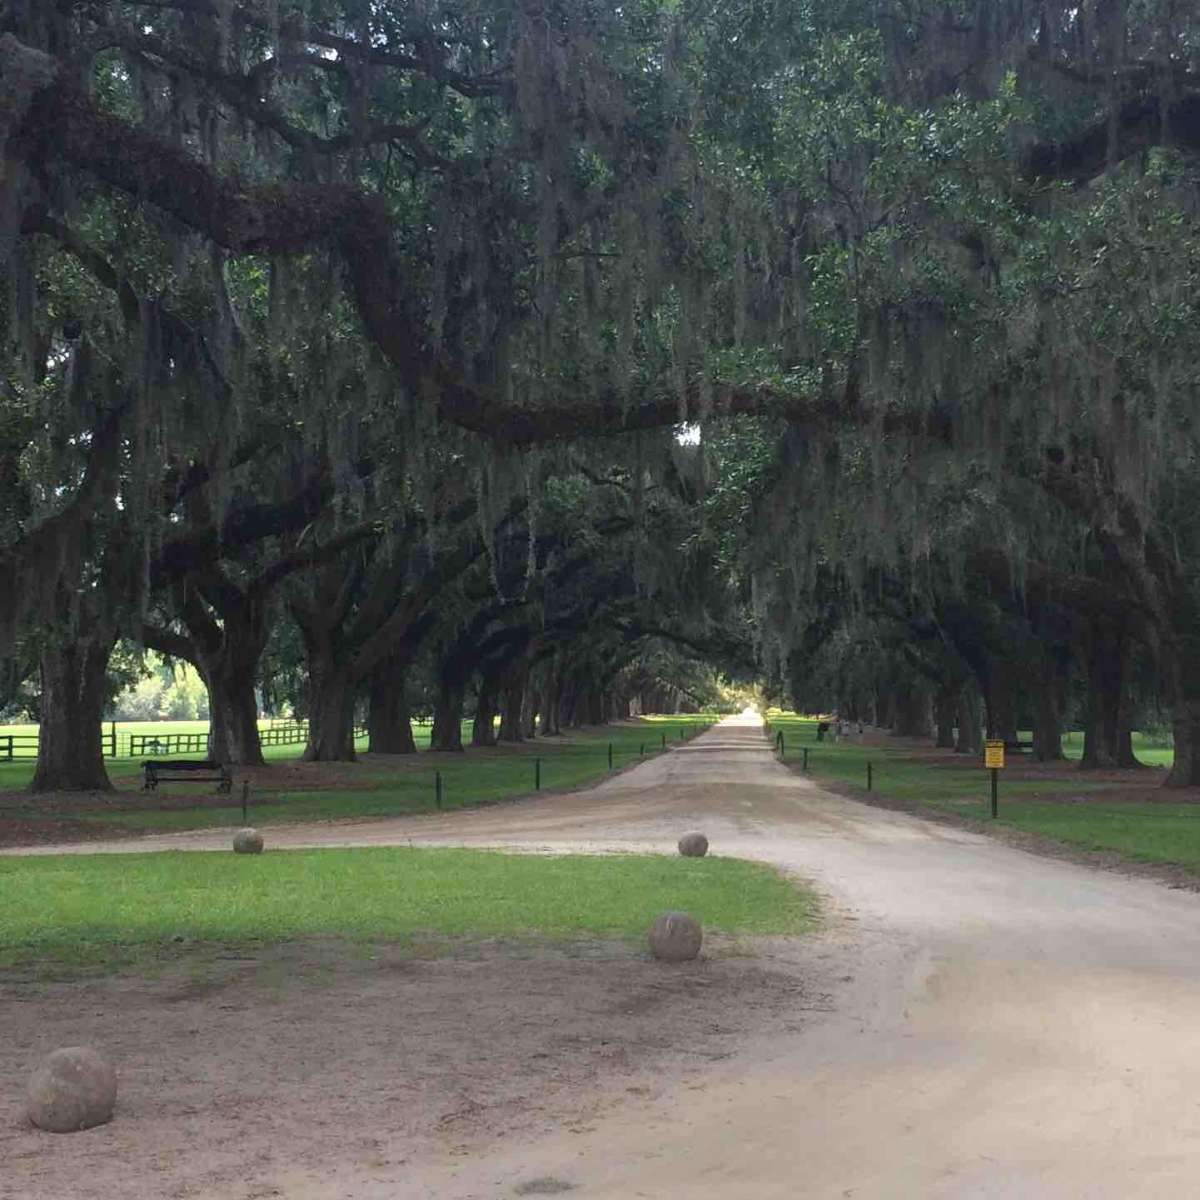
[[1182, 670], [945, 708], [529, 711], [551, 703], [912, 712], [483, 727], [227, 654], [568, 705], [969, 741], [331, 715], [1047, 719], [1102, 737], [1000, 700], [233, 710], [512, 708], [1185, 771], [70, 746], [389, 725], [447, 716]]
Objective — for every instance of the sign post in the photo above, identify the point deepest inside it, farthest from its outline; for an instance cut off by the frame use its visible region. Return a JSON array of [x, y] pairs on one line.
[[993, 759]]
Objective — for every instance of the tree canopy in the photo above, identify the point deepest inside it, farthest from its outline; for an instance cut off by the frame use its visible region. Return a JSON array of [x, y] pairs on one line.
[[538, 356]]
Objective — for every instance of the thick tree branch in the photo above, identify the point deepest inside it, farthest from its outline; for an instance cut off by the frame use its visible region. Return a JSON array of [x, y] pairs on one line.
[[292, 218], [168, 643], [1139, 126], [428, 60]]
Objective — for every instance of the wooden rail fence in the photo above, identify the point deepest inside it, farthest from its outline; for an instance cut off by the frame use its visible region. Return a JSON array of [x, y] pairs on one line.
[[18, 747]]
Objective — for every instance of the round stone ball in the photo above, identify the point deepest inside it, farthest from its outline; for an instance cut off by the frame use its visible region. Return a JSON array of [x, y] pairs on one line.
[[693, 845], [247, 841], [675, 937], [73, 1089]]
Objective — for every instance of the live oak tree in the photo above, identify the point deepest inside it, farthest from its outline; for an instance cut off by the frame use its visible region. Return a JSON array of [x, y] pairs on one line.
[[941, 253]]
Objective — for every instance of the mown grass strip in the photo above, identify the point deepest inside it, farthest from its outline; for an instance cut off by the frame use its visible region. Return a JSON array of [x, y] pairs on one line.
[[114, 907]]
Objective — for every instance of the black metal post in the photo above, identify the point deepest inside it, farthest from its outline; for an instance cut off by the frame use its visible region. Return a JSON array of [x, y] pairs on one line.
[[537, 774], [664, 738], [806, 758], [437, 788], [610, 756], [642, 750], [995, 792], [868, 777]]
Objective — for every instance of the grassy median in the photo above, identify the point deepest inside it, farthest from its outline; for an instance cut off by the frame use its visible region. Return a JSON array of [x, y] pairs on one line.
[[114, 908]]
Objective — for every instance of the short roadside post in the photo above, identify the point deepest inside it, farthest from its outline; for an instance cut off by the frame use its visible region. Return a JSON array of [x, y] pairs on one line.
[[437, 788], [664, 741], [610, 756], [805, 750], [993, 759], [869, 779], [537, 774], [642, 750]]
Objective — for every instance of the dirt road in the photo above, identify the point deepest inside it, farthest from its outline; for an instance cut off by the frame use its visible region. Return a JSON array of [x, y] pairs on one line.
[[1006, 1026]]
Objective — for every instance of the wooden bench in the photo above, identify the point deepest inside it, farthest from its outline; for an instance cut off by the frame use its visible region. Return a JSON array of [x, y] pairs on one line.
[[185, 770]]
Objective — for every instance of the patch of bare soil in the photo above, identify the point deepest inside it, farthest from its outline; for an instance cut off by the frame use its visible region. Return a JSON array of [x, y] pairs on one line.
[[235, 1066], [49, 831]]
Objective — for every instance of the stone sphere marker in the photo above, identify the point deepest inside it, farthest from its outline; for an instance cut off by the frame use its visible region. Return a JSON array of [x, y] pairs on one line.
[[693, 845], [247, 841], [73, 1089], [675, 937]]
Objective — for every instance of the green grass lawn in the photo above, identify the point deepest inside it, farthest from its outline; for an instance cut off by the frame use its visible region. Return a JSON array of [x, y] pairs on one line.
[[1153, 831], [398, 785], [110, 908], [894, 773]]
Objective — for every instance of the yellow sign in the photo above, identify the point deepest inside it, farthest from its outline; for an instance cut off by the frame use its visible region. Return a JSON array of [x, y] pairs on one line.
[[993, 755]]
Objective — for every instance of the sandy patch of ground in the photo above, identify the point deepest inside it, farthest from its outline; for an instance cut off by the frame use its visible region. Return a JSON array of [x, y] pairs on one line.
[[235, 1067]]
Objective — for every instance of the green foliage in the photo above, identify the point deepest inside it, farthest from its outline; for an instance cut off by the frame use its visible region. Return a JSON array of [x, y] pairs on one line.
[[167, 693]]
